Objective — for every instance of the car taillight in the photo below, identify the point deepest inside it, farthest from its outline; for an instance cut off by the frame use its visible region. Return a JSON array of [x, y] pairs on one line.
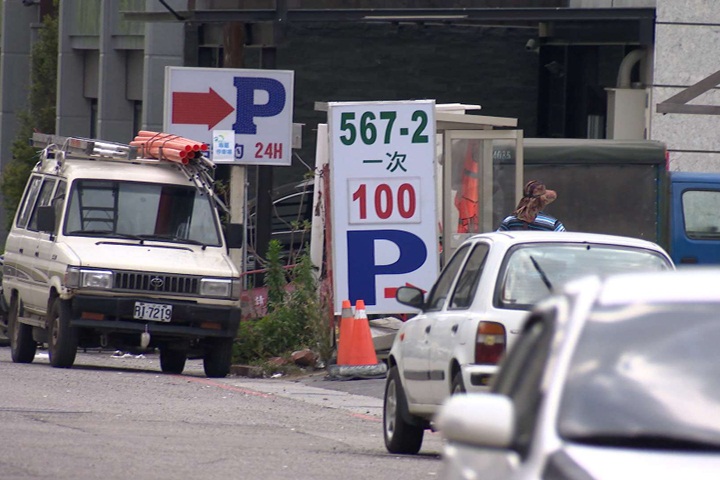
[[489, 343]]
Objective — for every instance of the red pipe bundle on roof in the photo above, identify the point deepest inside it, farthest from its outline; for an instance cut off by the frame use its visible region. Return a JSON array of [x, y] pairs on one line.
[[165, 146]]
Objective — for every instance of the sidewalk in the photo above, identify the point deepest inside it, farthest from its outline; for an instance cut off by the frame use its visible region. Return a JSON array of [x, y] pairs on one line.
[[363, 397]]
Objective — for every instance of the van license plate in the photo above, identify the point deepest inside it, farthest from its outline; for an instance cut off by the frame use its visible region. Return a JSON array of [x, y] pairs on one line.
[[153, 311]]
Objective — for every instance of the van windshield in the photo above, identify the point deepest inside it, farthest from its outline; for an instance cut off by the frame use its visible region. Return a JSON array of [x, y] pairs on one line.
[[148, 211]]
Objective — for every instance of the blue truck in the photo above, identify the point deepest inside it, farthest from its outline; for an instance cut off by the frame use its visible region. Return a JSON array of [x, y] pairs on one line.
[[693, 233], [623, 188]]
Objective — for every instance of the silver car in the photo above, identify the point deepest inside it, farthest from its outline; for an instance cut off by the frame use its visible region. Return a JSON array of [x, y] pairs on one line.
[[612, 379]]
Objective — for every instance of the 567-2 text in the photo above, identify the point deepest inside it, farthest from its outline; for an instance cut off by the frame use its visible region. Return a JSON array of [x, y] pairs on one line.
[[370, 128]]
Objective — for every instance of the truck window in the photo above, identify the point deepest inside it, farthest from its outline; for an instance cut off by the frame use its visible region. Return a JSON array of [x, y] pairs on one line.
[[58, 202], [28, 203], [290, 209], [154, 211], [44, 199], [700, 209]]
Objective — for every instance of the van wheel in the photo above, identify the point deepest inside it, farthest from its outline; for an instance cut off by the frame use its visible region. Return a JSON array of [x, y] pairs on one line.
[[62, 338], [172, 360], [400, 435], [218, 355], [22, 345]]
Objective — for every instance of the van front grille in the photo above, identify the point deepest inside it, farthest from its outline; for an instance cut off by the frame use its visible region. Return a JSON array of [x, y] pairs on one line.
[[157, 283]]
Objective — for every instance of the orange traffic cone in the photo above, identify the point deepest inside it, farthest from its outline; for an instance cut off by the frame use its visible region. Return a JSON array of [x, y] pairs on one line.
[[362, 351], [345, 337], [356, 351]]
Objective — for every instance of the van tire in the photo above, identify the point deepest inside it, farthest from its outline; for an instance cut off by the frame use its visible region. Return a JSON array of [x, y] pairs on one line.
[[62, 338], [172, 360], [400, 435], [217, 358], [22, 344]]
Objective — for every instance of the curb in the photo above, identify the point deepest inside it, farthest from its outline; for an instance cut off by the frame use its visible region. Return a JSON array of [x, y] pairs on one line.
[[246, 371], [349, 372]]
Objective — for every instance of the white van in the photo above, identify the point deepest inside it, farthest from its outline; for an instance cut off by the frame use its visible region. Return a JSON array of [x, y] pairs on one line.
[[111, 250]]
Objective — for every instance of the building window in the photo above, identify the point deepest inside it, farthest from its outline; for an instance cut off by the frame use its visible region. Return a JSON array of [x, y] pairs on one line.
[[93, 117], [137, 116], [210, 56]]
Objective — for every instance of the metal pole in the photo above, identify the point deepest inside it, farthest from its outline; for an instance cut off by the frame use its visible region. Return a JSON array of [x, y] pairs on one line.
[[264, 183], [263, 212], [234, 57]]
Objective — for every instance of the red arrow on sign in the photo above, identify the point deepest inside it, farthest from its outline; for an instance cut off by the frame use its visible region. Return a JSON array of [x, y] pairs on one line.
[[192, 108]]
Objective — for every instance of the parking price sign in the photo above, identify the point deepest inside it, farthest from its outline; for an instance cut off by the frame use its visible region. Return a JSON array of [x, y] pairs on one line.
[[382, 178]]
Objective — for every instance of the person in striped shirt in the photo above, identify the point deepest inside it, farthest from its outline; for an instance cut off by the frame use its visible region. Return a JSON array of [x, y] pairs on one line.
[[529, 213]]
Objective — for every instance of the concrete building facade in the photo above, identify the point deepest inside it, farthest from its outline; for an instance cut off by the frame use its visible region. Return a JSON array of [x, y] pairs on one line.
[[687, 52], [111, 69]]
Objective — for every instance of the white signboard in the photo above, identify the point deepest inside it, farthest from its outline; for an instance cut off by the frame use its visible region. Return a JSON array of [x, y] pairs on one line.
[[257, 105], [382, 178]]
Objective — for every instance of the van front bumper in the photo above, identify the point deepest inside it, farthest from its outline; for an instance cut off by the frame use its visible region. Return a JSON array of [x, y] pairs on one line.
[[189, 319]]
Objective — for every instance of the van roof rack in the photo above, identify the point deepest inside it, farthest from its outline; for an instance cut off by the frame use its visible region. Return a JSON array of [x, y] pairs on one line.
[[57, 148], [78, 147]]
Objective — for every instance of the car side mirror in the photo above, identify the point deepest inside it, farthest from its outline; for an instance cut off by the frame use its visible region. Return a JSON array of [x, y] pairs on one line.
[[485, 420], [46, 218], [234, 233], [410, 296]]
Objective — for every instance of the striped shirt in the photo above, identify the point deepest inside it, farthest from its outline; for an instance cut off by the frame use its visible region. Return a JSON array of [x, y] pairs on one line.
[[543, 221]]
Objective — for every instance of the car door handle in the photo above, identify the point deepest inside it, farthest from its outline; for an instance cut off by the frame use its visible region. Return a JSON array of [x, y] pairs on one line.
[[454, 328], [22, 250], [427, 329], [37, 254]]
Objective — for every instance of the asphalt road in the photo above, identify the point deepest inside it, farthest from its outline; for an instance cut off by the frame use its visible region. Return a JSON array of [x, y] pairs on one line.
[[118, 417]]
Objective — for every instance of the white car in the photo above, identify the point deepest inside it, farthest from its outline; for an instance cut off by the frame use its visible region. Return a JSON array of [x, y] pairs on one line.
[[475, 310], [613, 379]]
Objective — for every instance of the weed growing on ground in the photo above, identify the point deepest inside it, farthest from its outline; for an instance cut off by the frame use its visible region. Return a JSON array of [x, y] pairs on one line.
[[296, 315]]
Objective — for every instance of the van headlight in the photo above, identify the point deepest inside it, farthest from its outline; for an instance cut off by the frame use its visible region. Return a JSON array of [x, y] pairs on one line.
[[76, 277], [220, 287]]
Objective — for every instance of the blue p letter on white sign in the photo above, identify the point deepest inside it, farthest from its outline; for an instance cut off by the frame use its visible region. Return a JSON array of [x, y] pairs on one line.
[[362, 269], [247, 109]]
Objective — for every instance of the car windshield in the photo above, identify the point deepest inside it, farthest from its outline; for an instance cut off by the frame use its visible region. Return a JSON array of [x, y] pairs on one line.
[[532, 271], [142, 211], [645, 376]]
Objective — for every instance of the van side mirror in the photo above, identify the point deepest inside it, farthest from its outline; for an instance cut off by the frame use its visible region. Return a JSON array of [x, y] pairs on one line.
[[234, 233], [46, 218]]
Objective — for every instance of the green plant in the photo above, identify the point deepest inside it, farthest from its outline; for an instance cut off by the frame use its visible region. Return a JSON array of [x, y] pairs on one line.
[[300, 229], [221, 188], [275, 278], [295, 316], [312, 305], [40, 115]]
